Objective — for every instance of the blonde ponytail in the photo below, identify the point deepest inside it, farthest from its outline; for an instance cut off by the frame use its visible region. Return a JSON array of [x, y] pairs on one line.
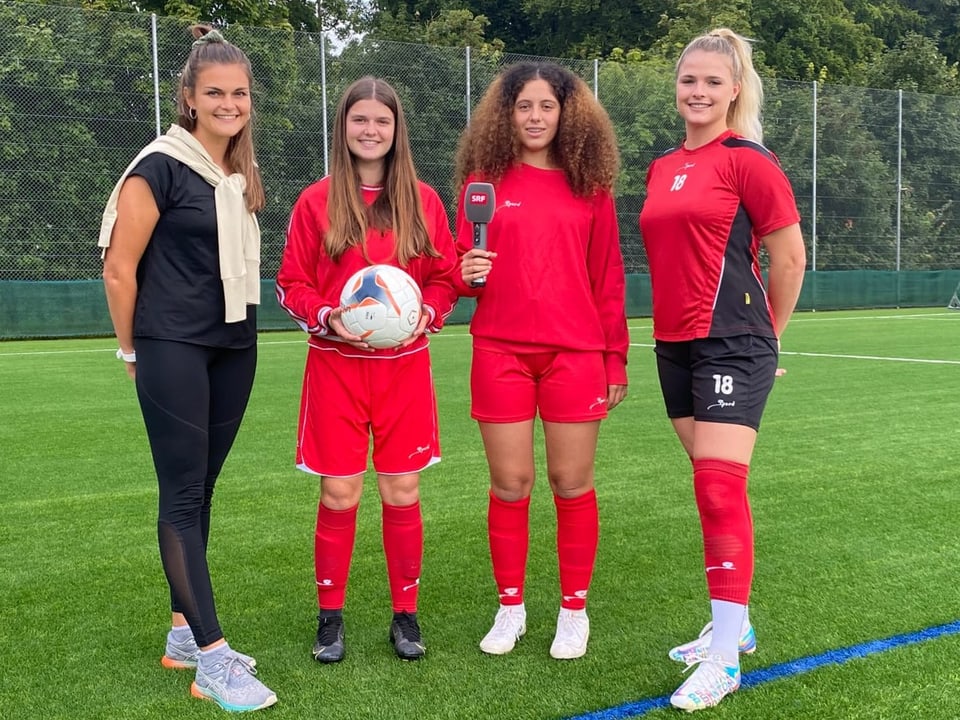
[[743, 116]]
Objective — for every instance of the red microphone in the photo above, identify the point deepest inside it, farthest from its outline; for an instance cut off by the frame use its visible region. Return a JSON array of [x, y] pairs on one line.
[[479, 202]]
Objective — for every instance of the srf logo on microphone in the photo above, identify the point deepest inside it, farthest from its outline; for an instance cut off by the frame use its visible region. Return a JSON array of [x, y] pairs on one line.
[[478, 198]]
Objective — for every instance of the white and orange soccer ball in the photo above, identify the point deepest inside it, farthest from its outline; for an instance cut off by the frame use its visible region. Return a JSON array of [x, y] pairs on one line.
[[381, 304]]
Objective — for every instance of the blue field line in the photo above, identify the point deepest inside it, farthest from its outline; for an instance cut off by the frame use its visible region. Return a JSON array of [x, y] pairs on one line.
[[787, 669]]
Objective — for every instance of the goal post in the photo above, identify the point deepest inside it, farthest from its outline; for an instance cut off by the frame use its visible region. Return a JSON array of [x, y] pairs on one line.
[[954, 303]]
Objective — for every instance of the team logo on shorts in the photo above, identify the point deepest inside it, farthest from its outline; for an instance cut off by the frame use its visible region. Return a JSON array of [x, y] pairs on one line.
[[420, 449]]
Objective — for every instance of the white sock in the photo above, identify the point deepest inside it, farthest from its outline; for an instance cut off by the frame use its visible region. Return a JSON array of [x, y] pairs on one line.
[[181, 632], [727, 627], [211, 655]]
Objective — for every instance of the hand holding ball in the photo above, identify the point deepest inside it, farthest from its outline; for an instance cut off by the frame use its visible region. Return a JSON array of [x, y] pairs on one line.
[[382, 305]]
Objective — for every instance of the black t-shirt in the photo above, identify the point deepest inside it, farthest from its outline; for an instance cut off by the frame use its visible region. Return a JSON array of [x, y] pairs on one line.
[[180, 293]]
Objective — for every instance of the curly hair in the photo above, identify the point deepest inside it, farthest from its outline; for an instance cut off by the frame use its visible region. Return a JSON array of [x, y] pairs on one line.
[[585, 146]]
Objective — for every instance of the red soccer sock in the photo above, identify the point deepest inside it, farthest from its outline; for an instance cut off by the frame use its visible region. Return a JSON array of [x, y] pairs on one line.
[[403, 547], [578, 533], [332, 553], [720, 487], [508, 529]]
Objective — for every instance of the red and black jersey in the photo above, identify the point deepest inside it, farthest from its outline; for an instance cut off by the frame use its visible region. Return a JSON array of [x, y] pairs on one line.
[[702, 221], [557, 282], [309, 282]]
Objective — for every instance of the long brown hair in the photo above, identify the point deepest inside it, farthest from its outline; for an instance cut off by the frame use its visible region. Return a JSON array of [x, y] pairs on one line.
[[398, 206], [585, 146], [210, 48]]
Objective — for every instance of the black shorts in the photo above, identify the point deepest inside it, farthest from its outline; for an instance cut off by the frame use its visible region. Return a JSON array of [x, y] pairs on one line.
[[725, 379]]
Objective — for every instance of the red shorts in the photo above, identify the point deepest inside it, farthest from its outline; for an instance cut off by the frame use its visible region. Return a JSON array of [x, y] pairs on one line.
[[345, 400], [564, 386]]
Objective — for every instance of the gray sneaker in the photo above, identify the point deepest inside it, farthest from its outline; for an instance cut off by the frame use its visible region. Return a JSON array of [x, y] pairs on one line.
[[231, 683], [183, 655]]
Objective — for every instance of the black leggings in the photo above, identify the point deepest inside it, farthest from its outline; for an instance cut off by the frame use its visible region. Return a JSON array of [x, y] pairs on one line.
[[193, 399]]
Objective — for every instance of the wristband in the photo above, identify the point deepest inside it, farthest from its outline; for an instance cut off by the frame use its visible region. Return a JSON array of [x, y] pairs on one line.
[[130, 357]]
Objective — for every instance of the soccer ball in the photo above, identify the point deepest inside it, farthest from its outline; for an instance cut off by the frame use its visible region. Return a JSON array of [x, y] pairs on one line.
[[381, 304]]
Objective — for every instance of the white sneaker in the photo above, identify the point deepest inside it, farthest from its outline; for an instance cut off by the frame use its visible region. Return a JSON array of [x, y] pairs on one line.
[[699, 649], [573, 631], [712, 681], [509, 625]]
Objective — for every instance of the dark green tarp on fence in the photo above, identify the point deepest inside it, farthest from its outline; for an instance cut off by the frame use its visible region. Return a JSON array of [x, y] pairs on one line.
[[78, 308]]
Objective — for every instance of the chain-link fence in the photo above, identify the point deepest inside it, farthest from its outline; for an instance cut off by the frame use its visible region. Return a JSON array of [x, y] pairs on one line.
[[875, 172]]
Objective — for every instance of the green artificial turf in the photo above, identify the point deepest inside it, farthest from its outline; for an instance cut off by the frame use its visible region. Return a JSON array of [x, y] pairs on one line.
[[855, 501]]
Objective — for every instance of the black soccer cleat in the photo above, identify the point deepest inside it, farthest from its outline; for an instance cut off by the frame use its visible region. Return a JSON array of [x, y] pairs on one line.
[[405, 636], [329, 647]]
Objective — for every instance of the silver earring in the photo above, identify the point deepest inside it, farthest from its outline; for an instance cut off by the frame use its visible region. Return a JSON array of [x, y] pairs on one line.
[[192, 112]]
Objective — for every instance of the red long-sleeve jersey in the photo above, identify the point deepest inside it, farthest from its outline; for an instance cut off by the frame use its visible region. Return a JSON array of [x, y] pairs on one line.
[[309, 282], [558, 279]]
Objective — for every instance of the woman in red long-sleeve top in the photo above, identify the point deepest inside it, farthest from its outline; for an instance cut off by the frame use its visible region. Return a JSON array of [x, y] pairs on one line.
[[549, 331], [371, 209]]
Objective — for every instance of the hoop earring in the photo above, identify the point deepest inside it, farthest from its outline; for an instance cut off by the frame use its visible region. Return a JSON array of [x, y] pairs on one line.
[[192, 112]]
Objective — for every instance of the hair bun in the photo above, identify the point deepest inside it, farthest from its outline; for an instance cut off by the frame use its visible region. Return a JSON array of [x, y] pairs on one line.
[[211, 36]]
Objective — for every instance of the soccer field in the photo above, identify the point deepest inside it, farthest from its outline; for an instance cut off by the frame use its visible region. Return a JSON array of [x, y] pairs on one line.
[[855, 502]]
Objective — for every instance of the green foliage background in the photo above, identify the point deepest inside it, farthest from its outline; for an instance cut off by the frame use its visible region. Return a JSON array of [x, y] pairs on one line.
[[77, 102]]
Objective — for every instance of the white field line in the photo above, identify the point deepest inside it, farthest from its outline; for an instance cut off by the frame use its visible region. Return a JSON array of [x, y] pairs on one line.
[[452, 332], [812, 317], [815, 317], [846, 357], [873, 357]]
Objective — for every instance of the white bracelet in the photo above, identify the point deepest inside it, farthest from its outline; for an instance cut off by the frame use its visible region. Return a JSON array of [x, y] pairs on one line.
[[130, 357]]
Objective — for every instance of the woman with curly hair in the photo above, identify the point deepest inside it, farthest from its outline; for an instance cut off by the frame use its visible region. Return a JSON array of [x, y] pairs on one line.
[[540, 137]]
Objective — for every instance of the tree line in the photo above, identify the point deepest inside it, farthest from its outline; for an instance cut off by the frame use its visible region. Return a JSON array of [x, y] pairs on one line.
[[76, 102], [886, 44]]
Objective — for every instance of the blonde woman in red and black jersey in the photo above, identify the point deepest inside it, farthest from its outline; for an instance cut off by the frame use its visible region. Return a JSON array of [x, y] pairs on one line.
[[371, 209], [549, 331], [711, 204]]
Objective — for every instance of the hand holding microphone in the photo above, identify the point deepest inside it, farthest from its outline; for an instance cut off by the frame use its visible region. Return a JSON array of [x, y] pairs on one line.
[[478, 204]]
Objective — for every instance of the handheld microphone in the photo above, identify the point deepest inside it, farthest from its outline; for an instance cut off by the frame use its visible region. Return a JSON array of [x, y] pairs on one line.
[[479, 202]]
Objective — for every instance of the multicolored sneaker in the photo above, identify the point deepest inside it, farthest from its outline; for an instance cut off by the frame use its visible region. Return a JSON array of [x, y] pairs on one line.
[[183, 654], [699, 649], [231, 683], [710, 683], [573, 631], [509, 625]]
